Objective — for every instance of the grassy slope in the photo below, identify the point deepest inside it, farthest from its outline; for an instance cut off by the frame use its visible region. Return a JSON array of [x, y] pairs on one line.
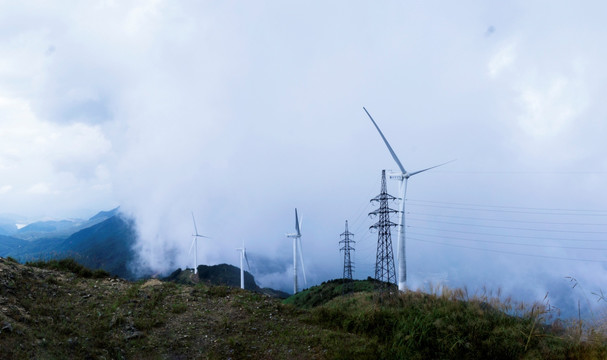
[[46, 313], [319, 295], [452, 325], [49, 314]]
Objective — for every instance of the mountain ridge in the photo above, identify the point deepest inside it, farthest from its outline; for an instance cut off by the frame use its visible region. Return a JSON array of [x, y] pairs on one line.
[[106, 244]]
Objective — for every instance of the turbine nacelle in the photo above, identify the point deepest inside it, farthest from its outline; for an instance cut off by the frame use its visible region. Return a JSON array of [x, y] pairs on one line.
[[399, 176], [298, 222]]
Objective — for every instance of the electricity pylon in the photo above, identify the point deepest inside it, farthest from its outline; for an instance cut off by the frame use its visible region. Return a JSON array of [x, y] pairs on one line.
[[384, 261], [346, 248]]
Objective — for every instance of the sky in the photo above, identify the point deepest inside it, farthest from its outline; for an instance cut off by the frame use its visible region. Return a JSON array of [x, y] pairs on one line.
[[241, 112]]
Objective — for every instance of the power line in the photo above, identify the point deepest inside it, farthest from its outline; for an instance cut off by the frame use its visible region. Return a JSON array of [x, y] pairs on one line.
[[362, 211], [511, 228], [509, 211], [514, 243], [523, 172], [510, 252], [508, 220], [506, 207], [504, 235]]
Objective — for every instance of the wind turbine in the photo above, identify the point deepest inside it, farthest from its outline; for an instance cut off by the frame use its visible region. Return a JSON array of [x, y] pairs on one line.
[[195, 236], [243, 255], [403, 177], [297, 243]]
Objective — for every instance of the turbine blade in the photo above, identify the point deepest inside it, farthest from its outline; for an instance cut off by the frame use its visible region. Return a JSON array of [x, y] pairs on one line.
[[195, 228], [303, 267], [247, 259], [435, 166], [297, 223], [387, 144], [191, 246]]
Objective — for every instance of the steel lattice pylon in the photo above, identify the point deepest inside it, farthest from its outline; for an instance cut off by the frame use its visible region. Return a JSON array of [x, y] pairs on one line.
[[384, 262], [346, 248]]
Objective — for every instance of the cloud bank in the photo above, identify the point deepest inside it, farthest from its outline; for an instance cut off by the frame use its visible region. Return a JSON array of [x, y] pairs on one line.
[[242, 112]]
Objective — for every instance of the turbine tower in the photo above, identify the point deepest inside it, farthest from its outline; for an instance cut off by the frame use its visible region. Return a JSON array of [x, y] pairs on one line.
[[403, 177], [195, 236], [297, 244], [348, 264], [243, 256]]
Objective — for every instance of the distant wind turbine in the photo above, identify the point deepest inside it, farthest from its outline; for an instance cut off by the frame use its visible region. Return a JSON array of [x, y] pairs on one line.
[[195, 236], [403, 177], [243, 255], [297, 244]]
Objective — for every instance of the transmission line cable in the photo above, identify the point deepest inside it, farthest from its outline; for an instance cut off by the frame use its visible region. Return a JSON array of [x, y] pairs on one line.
[[511, 228], [502, 235], [510, 252], [513, 243], [507, 220]]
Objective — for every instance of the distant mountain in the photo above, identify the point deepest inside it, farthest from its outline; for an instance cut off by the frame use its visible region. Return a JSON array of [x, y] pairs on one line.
[[41, 249], [9, 244], [8, 229], [103, 215], [106, 243], [8, 223], [46, 228], [59, 228]]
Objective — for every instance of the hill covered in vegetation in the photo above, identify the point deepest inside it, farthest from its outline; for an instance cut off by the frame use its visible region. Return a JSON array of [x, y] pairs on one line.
[[60, 309], [222, 274]]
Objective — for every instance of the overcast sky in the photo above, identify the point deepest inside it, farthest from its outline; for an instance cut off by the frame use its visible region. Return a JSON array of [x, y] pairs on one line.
[[242, 111]]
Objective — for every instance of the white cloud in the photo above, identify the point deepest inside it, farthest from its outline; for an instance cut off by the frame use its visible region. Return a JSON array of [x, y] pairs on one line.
[[48, 161], [502, 60], [546, 96], [549, 112], [40, 189]]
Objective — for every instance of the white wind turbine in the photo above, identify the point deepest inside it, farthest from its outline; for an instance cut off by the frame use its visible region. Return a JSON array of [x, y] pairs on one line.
[[403, 177], [243, 256], [195, 236], [297, 243]]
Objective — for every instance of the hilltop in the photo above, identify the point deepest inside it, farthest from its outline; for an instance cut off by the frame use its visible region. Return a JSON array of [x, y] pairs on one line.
[[60, 309], [222, 274]]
